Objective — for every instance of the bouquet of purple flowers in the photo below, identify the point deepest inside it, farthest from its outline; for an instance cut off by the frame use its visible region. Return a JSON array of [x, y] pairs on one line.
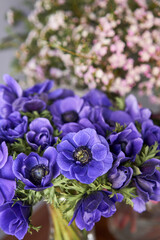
[[82, 154]]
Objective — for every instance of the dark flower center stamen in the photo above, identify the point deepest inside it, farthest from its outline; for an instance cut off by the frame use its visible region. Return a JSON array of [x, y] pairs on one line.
[[82, 154], [37, 173], [70, 116]]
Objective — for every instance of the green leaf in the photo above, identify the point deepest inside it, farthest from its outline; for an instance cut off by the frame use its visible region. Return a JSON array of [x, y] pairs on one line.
[[57, 133], [33, 115], [31, 228], [128, 193], [120, 103], [29, 197], [146, 154], [158, 168], [119, 127], [49, 196], [136, 171], [20, 145], [138, 126]]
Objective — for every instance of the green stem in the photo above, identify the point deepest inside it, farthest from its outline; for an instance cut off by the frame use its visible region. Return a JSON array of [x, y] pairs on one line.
[[57, 232], [61, 229]]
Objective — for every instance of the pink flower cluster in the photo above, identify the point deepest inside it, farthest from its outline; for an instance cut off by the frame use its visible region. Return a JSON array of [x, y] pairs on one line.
[[112, 45]]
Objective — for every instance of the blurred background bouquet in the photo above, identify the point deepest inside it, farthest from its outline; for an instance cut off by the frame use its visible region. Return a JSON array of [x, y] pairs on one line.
[[111, 45]]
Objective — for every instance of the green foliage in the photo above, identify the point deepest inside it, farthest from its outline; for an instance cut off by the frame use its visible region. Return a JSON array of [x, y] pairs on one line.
[[66, 193], [29, 197], [50, 196], [111, 6], [138, 126], [46, 114], [120, 103], [136, 171], [119, 127], [132, 4], [57, 133], [158, 168], [19, 146], [128, 193], [31, 228], [33, 115], [146, 154], [58, 141]]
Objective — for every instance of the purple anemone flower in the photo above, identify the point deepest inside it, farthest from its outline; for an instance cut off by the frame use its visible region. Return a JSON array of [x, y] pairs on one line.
[[14, 219], [136, 113], [97, 98], [7, 178], [147, 184], [84, 156], [68, 112], [8, 93], [128, 141], [113, 117], [39, 88], [89, 210], [151, 133], [60, 93], [34, 98], [31, 103], [119, 175], [95, 120], [36, 172], [132, 113], [40, 134], [13, 127]]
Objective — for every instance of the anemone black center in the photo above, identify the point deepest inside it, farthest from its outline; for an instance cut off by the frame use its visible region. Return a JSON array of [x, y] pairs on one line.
[[37, 173], [82, 154], [70, 116]]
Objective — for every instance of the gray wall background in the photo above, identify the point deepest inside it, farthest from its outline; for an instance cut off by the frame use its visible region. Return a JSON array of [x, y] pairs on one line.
[[6, 55]]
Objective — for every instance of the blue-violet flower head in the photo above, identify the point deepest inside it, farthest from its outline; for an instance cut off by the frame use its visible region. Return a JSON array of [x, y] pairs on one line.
[[147, 184], [40, 134], [89, 210], [97, 98], [119, 175], [8, 93], [14, 219], [39, 88], [136, 113], [84, 156], [7, 178], [13, 127], [68, 112], [128, 141], [151, 133], [36, 172]]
